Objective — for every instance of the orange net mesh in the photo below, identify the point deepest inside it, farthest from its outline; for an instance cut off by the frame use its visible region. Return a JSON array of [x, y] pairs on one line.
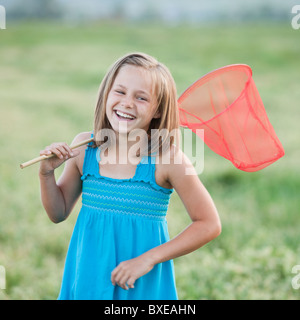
[[226, 104]]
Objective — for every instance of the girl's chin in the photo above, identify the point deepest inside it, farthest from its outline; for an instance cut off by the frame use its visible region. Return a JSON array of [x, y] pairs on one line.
[[122, 127]]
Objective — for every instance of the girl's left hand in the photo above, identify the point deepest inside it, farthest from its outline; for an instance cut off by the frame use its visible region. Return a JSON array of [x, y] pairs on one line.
[[127, 272]]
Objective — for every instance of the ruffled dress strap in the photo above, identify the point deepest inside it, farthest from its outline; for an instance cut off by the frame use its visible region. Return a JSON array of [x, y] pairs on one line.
[[90, 166], [145, 172]]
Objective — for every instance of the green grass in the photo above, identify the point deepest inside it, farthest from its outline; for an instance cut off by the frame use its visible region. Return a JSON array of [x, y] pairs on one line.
[[50, 75]]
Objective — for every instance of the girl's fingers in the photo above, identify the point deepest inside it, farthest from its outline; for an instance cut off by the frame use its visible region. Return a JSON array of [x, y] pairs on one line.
[[126, 283], [123, 280], [122, 283], [61, 150], [130, 282], [45, 152], [64, 150], [68, 150], [118, 277], [57, 152]]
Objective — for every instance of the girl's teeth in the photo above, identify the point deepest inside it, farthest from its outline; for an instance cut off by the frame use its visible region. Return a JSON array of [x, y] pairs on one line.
[[124, 115]]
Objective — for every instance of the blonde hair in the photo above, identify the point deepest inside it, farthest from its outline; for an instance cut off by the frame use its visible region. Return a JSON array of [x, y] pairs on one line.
[[164, 88]]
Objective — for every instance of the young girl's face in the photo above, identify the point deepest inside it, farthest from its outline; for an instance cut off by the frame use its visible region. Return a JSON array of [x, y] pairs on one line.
[[131, 102]]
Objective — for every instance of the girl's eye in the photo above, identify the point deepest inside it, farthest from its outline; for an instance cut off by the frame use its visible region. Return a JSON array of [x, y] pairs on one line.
[[120, 92], [142, 98]]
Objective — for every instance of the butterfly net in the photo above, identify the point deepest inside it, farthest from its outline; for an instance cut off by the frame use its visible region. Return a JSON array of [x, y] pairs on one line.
[[226, 104]]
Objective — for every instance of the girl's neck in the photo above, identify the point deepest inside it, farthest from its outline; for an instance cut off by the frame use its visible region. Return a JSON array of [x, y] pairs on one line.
[[127, 148]]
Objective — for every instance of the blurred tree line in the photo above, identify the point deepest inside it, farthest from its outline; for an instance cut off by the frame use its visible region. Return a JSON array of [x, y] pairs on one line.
[[172, 11]]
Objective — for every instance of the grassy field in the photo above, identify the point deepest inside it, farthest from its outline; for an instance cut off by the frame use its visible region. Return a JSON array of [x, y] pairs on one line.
[[48, 86]]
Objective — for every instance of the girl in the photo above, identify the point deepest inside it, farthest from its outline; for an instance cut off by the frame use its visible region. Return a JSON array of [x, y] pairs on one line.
[[120, 247]]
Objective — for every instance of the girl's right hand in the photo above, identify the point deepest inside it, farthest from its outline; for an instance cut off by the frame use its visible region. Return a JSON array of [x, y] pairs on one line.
[[62, 151]]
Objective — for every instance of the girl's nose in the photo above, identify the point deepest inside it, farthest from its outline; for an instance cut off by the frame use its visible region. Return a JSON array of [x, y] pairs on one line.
[[127, 101]]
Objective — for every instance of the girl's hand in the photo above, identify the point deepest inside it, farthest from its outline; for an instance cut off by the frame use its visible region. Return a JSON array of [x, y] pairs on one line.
[[62, 151], [127, 272]]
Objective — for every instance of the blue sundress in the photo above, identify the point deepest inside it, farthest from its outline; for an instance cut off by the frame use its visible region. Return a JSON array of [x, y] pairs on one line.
[[120, 219]]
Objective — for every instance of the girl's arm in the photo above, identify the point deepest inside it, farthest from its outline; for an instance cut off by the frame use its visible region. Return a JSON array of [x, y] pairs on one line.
[[59, 197], [205, 225]]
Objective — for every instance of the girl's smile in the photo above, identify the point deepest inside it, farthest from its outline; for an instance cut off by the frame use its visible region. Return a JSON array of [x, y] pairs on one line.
[[124, 116]]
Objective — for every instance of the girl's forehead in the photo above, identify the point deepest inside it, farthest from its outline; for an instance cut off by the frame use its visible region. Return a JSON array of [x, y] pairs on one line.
[[130, 75]]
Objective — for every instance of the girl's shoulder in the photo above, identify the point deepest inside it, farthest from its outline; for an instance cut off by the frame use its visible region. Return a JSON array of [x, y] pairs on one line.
[[79, 160], [173, 164], [174, 157], [82, 136]]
